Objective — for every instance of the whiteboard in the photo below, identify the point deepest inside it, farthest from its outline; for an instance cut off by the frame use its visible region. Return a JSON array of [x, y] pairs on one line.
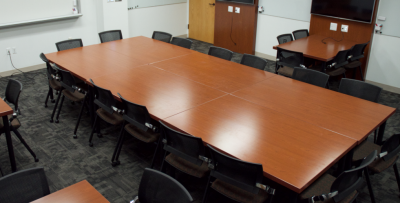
[[391, 10], [25, 10], [292, 9], [149, 3]]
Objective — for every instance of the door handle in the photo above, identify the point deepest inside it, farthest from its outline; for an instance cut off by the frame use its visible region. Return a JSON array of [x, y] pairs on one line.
[[212, 4]]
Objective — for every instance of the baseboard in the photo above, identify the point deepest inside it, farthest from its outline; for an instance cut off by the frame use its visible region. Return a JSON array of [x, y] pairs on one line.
[[385, 87], [266, 56], [26, 69], [182, 36]]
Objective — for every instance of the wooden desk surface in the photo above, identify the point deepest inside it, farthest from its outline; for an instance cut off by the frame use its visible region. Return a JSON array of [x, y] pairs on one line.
[[312, 47], [214, 72], [293, 152], [346, 115], [5, 109], [81, 192]]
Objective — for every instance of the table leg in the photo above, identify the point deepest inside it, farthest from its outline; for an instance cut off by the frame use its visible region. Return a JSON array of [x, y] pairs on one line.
[[323, 67], [91, 104], [379, 140], [9, 143], [345, 163]]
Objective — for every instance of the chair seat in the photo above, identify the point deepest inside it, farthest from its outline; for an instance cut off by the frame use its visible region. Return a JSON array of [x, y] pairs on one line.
[[286, 71], [188, 167], [55, 85], [147, 137], [353, 64], [73, 96], [15, 123], [379, 165], [113, 119], [238, 194], [323, 186]]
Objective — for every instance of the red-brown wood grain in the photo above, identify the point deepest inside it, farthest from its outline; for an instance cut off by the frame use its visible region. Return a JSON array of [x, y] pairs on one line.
[[5, 109]]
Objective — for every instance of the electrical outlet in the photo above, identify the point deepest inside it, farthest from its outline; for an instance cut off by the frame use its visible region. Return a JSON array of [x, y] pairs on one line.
[[230, 8], [333, 26], [237, 10], [345, 28], [8, 51], [14, 50]]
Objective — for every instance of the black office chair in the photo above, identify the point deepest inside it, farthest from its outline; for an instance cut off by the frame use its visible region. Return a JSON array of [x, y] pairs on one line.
[[111, 35], [254, 61], [69, 44], [287, 60], [284, 38], [220, 53], [53, 83], [13, 90], [356, 53], [360, 89], [157, 187], [342, 189], [186, 152], [298, 34], [238, 180], [162, 36], [107, 111], [388, 156], [185, 43], [309, 76], [24, 186], [336, 65], [138, 123]]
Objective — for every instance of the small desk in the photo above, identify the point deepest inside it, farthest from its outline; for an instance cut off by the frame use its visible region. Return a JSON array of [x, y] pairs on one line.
[[81, 192], [6, 110]]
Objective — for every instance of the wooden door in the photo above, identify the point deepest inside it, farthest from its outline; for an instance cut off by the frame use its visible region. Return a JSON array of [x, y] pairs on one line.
[[201, 20]]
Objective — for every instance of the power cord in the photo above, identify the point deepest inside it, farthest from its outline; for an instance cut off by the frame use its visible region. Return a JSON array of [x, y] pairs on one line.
[[23, 73], [232, 30], [333, 39]]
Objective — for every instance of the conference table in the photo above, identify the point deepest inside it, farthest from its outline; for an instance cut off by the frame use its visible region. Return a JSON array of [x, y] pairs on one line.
[[5, 111], [295, 130]]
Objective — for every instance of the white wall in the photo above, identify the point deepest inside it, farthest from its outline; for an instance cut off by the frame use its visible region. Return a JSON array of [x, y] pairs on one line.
[[169, 18], [115, 16], [384, 66]]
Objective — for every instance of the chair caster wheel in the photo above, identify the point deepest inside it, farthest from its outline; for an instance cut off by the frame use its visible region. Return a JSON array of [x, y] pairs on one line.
[[115, 163], [53, 101], [51, 120], [91, 144], [36, 160], [57, 121], [99, 135], [75, 136]]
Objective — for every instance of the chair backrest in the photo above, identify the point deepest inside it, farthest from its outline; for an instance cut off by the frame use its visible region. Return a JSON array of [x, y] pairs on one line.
[[185, 43], [157, 187], [69, 44], [136, 114], [24, 186], [253, 61], [13, 90], [340, 59], [241, 174], [183, 145], [110, 35], [50, 70], [298, 34], [220, 53], [285, 38], [391, 147], [290, 58], [309, 76], [103, 98], [360, 89], [162, 36], [67, 80], [357, 51]]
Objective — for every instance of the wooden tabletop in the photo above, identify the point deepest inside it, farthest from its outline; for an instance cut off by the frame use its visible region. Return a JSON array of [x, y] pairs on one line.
[[293, 152], [5, 109], [81, 192], [312, 47]]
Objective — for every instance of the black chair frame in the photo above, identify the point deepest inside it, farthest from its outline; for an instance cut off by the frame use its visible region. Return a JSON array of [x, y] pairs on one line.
[[110, 31]]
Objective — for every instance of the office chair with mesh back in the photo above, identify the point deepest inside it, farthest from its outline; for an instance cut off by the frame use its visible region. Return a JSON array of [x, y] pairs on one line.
[[51, 77], [138, 123], [298, 34], [104, 99], [284, 38], [24, 186], [185, 43], [254, 61], [388, 156], [356, 53], [162, 36], [238, 180], [186, 152], [220, 53], [111, 35], [287, 60], [13, 90], [69, 44], [157, 187], [342, 189], [360, 89], [309, 76], [336, 65]]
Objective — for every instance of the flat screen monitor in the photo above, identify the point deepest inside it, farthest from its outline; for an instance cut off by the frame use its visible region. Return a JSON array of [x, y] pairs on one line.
[[355, 10], [239, 1]]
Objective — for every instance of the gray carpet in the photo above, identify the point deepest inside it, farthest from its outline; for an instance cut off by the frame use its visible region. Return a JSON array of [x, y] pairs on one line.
[[68, 161]]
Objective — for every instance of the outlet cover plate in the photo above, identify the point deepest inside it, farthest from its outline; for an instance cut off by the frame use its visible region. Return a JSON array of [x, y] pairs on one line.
[[345, 28], [237, 10], [230, 9], [333, 26]]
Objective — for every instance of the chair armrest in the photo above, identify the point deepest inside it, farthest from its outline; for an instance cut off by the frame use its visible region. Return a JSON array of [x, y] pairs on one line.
[[79, 90], [14, 116], [135, 200], [267, 188]]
